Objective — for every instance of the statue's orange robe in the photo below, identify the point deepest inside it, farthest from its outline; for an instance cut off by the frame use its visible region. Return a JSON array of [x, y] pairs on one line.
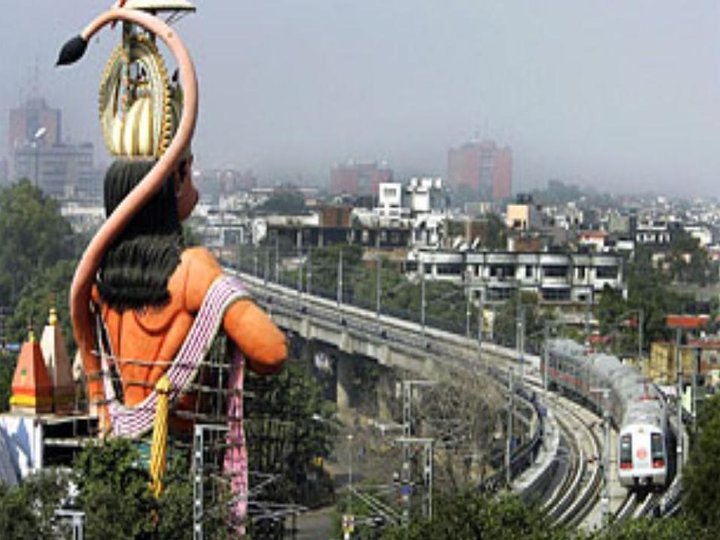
[[156, 334]]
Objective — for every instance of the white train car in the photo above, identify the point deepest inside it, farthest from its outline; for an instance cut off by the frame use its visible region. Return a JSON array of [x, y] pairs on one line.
[[636, 408], [642, 453]]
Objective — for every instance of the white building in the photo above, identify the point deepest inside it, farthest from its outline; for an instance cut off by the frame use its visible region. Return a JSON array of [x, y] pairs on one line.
[[83, 216], [390, 207], [554, 277], [702, 233], [419, 205]]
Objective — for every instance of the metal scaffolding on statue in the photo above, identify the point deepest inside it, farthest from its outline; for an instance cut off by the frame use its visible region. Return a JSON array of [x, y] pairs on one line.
[[209, 445], [202, 434]]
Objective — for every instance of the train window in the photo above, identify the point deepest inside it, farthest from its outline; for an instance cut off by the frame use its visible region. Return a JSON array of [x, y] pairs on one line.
[[656, 448], [626, 452]]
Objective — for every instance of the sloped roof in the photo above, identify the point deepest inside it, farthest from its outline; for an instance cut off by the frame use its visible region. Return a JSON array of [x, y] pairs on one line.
[[31, 386], [58, 364]]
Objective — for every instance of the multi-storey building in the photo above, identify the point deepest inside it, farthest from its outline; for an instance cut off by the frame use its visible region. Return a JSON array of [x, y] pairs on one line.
[[34, 119], [38, 153], [554, 277], [60, 170], [359, 178], [483, 167], [656, 232], [523, 214], [419, 205]]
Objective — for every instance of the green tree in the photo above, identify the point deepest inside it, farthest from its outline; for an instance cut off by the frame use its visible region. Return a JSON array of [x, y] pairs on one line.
[[324, 267], [28, 510], [689, 262], [113, 491], [286, 202], [619, 320], [286, 431], [701, 496], [34, 236], [17, 519], [557, 192], [495, 233], [655, 529], [490, 229], [7, 370], [505, 325], [445, 303], [470, 516], [649, 290], [48, 287]]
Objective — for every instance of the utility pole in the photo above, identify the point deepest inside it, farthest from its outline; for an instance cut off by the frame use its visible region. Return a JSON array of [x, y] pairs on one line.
[[467, 303], [198, 473], [78, 522], [422, 296], [308, 278], [520, 342], [481, 317], [605, 498], [509, 430], [267, 264], [481, 320], [588, 314], [678, 365], [428, 479], [641, 322], [405, 475], [378, 284], [406, 440], [546, 356], [197, 470], [697, 354], [255, 261], [350, 472], [300, 267], [340, 277], [492, 326], [277, 258], [427, 476]]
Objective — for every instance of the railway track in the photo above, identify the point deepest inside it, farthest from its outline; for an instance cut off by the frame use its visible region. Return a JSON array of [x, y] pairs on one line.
[[577, 494], [627, 509]]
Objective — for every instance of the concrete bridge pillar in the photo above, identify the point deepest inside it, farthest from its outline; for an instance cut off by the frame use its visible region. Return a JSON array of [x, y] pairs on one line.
[[385, 395], [345, 374]]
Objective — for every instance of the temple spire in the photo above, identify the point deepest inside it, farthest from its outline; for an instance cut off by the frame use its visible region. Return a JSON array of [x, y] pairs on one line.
[[31, 386], [58, 364]]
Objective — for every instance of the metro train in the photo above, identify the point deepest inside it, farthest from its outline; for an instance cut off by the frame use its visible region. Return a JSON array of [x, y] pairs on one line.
[[636, 407]]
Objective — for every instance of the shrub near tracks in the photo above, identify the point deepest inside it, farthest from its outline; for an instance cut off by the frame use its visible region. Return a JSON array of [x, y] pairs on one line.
[[471, 516]]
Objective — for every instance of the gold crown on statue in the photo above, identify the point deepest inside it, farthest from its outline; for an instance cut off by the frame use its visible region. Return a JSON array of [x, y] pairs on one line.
[[139, 106]]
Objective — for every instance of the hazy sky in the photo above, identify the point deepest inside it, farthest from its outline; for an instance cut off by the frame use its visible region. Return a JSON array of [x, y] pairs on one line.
[[618, 95]]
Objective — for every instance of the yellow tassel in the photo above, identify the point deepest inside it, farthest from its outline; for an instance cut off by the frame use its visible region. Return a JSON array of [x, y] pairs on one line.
[[158, 451]]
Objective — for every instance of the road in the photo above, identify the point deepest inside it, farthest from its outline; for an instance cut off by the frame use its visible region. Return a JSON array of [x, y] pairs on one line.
[[315, 525]]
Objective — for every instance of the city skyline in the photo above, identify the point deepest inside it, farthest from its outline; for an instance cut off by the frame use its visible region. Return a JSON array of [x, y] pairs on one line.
[[621, 98]]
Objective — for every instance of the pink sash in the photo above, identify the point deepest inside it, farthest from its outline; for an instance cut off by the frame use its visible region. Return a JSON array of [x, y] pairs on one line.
[[133, 422]]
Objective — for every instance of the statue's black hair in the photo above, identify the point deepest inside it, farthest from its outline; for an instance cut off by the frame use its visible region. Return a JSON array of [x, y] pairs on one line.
[[135, 270]]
